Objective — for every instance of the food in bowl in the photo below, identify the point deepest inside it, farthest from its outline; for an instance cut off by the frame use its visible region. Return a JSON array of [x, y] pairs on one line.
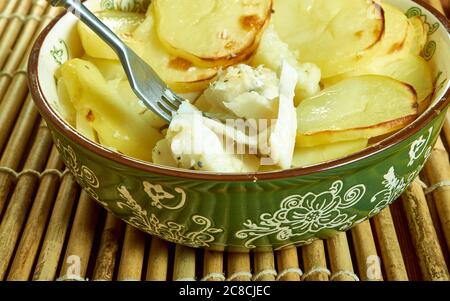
[[242, 211], [298, 82]]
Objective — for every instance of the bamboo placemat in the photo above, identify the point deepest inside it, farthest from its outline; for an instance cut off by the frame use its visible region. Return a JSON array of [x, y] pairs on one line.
[[49, 226]]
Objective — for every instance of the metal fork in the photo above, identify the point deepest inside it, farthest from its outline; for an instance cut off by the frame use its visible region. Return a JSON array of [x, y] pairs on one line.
[[144, 81]]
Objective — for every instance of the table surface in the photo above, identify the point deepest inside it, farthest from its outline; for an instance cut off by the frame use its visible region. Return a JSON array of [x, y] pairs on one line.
[[49, 226]]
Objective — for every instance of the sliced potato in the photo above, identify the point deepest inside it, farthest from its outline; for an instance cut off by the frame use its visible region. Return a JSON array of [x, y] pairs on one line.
[[356, 108], [211, 33], [180, 74], [107, 112], [394, 39], [324, 138], [307, 156], [125, 91], [409, 68], [114, 74], [268, 168], [84, 126], [64, 105], [319, 30], [121, 23], [417, 35], [110, 69], [413, 42]]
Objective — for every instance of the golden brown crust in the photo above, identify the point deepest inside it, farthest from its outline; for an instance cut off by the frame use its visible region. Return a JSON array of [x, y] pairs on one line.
[[252, 22], [179, 63], [391, 124], [90, 116], [379, 33]]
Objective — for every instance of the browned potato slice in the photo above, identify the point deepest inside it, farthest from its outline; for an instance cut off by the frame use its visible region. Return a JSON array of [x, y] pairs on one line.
[[180, 74], [359, 107], [211, 32], [417, 35], [329, 137], [410, 69], [394, 39], [139, 33]]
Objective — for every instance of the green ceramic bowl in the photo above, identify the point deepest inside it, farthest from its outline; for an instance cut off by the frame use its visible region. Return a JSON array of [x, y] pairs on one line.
[[242, 211]]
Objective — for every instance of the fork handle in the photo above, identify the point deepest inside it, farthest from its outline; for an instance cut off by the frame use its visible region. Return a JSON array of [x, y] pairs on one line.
[[87, 17]]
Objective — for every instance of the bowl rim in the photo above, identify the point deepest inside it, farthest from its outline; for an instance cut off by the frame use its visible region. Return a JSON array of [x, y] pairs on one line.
[[52, 116]]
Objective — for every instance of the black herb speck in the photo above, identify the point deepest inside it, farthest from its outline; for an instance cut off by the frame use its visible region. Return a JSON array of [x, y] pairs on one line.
[[200, 164]]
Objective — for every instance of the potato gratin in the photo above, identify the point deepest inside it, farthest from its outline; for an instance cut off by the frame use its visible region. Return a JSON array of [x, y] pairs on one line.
[[270, 84]]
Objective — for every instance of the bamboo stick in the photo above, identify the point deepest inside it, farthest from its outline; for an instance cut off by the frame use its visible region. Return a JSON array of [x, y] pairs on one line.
[[436, 4], [437, 170], [18, 208], [340, 259], [15, 149], [424, 237], [81, 238], [405, 241], [26, 252], [22, 42], [287, 260], [446, 6], [213, 266], [437, 227], [9, 9], [264, 266], [368, 260], [21, 133], [184, 264], [12, 101], [109, 247], [12, 31], [18, 59], [158, 260], [439, 155], [132, 257], [425, 183], [239, 267], [2, 5], [315, 262], [390, 247], [446, 130], [23, 47], [11, 105], [58, 226]]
